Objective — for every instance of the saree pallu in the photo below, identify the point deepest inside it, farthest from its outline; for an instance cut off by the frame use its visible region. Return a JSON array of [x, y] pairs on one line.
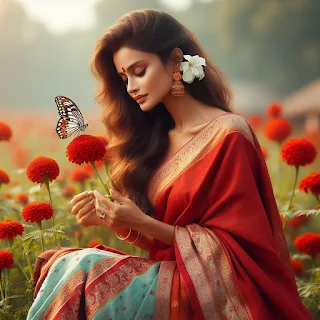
[[229, 259]]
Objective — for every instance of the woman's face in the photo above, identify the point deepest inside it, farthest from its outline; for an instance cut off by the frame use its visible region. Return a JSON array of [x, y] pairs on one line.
[[143, 74]]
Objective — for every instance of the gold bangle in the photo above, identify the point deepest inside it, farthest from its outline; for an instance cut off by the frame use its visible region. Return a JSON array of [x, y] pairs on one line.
[[124, 238], [137, 238]]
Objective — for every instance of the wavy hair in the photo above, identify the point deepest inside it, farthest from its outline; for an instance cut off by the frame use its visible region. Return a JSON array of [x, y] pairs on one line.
[[138, 140]]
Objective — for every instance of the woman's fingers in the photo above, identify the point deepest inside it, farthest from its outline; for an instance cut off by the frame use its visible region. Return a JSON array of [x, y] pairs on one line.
[[81, 204], [81, 196], [87, 207], [85, 219]]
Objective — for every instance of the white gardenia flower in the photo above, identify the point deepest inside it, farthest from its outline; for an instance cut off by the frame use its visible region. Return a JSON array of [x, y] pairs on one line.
[[192, 68]]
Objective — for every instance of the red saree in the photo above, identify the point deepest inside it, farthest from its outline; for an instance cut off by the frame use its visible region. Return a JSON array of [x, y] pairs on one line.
[[229, 259]]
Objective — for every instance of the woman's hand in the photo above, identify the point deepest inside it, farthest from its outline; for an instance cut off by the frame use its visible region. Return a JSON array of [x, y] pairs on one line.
[[122, 213], [84, 209]]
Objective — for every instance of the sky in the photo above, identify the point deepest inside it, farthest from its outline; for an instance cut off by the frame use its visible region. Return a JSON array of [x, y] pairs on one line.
[[60, 16]]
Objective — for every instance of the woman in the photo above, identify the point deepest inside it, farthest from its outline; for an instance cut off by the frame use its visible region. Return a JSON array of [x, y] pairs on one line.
[[192, 188]]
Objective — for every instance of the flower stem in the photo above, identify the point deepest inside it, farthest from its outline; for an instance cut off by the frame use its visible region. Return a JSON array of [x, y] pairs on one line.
[[104, 185], [294, 187], [30, 266], [17, 261], [1, 288], [41, 235], [46, 181]]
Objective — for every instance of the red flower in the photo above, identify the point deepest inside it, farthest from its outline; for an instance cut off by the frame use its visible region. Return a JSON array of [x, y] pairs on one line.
[[78, 233], [274, 110], [85, 149], [41, 168], [22, 198], [297, 267], [79, 175], [311, 183], [308, 243], [7, 196], [298, 152], [88, 167], [93, 243], [9, 229], [5, 132], [4, 178], [36, 211], [298, 221], [69, 191], [6, 259], [277, 129], [255, 121]]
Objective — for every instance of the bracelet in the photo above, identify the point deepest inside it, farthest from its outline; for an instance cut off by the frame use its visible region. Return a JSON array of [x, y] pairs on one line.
[[124, 238], [137, 239]]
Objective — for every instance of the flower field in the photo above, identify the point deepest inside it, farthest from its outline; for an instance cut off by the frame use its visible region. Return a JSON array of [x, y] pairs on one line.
[[40, 174]]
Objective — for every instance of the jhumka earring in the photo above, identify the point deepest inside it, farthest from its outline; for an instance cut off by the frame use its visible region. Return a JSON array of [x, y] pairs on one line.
[[177, 87]]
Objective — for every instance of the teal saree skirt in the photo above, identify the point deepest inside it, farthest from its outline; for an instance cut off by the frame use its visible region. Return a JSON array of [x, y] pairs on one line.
[[97, 284]]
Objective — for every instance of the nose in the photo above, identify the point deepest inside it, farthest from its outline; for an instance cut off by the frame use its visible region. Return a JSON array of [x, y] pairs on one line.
[[132, 86]]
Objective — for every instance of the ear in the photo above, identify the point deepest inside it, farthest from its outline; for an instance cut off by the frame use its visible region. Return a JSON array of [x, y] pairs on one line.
[[177, 57]]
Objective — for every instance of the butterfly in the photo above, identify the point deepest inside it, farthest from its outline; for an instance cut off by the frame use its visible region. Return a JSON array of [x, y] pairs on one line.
[[71, 121]]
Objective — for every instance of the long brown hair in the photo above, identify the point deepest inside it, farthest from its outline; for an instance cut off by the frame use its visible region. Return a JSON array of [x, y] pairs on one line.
[[138, 140]]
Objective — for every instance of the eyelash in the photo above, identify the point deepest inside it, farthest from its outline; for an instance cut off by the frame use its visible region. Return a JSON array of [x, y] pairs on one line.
[[140, 74]]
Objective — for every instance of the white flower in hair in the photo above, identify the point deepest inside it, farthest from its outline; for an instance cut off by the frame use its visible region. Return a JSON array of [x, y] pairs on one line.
[[192, 68]]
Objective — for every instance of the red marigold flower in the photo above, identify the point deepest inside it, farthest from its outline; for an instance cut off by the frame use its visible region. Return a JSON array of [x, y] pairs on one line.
[[9, 229], [277, 129], [93, 243], [85, 149], [42, 167], [274, 109], [311, 183], [4, 178], [79, 175], [297, 267], [5, 132], [255, 121], [22, 198], [7, 196], [69, 191], [308, 243], [6, 259], [78, 233], [298, 221], [88, 167], [36, 211], [298, 152]]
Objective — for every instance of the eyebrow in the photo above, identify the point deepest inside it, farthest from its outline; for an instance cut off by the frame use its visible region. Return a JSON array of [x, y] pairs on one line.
[[131, 66]]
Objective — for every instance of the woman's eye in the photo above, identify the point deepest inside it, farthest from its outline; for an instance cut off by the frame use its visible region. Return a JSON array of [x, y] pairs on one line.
[[140, 74]]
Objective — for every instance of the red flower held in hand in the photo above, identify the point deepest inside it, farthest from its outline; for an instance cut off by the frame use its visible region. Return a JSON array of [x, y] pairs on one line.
[[298, 152], [37, 211], [277, 129], [4, 178], [298, 267], [6, 259], [311, 183], [274, 109], [9, 229], [41, 168], [308, 243], [5, 132], [85, 149]]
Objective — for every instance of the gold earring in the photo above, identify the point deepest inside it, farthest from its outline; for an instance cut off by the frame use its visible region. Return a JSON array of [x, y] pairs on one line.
[[177, 87]]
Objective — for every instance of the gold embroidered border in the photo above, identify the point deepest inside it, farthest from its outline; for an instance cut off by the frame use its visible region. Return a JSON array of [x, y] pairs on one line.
[[211, 274], [114, 283], [196, 149], [163, 293]]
